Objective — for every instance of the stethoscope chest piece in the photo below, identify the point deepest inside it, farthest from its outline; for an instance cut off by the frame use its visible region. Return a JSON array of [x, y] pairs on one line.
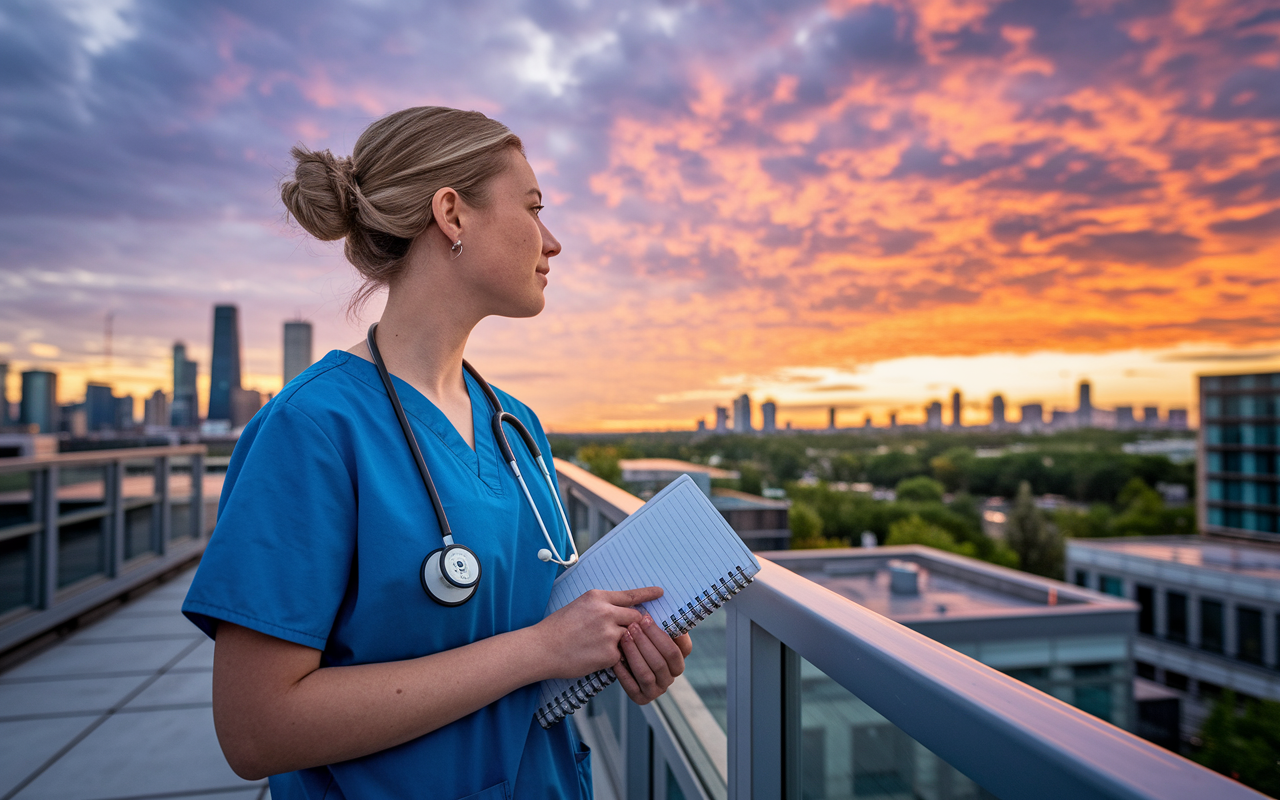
[[450, 575]]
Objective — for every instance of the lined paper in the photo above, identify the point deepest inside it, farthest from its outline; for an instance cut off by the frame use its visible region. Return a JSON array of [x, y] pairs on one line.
[[677, 540]]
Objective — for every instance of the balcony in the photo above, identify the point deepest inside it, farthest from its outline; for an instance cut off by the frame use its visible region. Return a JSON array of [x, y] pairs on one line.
[[792, 690]]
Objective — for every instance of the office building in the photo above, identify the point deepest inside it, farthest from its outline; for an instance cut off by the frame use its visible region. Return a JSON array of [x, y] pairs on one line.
[[742, 414], [1209, 613], [297, 348], [831, 418], [997, 411], [1177, 420], [701, 426], [893, 419], [244, 404], [1150, 417], [1084, 413], [99, 407], [184, 413], [1125, 419], [39, 404], [933, 416], [956, 422], [224, 375], [124, 418], [769, 416], [722, 419], [1237, 479], [1032, 415], [4, 393], [155, 410]]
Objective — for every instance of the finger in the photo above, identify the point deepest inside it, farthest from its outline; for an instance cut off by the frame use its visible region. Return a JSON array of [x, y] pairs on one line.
[[685, 644], [625, 617], [629, 684], [664, 647], [633, 597], [638, 665], [653, 657]]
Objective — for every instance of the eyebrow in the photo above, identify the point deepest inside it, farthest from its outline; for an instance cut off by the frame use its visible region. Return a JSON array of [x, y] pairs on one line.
[[538, 192]]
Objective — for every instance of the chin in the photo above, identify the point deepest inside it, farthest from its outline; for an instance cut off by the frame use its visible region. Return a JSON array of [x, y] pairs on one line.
[[532, 307]]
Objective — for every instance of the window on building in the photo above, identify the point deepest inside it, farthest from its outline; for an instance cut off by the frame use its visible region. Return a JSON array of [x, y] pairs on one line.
[[1176, 680], [1144, 670], [1035, 676], [1208, 691], [1211, 627], [1110, 584], [1176, 613], [1232, 462], [1082, 578], [1233, 517], [1249, 634], [1093, 689], [1232, 434], [1233, 491], [1146, 597]]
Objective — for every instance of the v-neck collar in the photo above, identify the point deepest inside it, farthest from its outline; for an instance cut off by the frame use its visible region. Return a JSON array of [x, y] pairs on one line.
[[483, 460]]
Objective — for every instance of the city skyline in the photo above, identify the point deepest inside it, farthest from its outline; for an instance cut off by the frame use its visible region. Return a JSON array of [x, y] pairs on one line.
[[887, 196]]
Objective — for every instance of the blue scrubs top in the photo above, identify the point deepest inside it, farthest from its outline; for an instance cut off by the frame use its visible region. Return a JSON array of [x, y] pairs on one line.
[[322, 528]]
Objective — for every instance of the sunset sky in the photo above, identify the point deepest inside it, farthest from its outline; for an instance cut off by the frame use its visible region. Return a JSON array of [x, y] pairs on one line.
[[856, 204]]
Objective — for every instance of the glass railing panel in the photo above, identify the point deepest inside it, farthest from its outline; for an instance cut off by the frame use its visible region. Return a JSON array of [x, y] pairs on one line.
[[180, 509], [706, 667], [139, 531], [139, 479], [849, 751], [15, 573], [81, 551], [81, 488], [180, 526], [16, 499]]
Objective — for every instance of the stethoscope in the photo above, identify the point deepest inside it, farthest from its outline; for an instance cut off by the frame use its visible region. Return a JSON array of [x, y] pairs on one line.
[[451, 574]]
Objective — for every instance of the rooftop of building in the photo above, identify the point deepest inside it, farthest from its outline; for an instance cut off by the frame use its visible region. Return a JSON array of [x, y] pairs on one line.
[[674, 466], [1237, 557], [733, 500]]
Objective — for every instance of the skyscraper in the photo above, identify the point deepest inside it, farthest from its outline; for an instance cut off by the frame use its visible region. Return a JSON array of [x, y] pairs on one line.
[[1032, 415], [99, 407], [184, 411], [933, 416], [155, 410], [40, 400], [1151, 416], [722, 419], [225, 372], [769, 413], [831, 418], [1084, 414], [297, 348], [1124, 418], [955, 409], [1237, 464], [997, 411], [4, 393], [742, 414]]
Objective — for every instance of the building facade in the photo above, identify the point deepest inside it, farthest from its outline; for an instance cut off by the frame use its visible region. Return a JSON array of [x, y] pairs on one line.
[[184, 412], [933, 416], [1239, 455], [39, 405], [297, 348], [997, 411], [769, 416], [742, 414], [225, 370]]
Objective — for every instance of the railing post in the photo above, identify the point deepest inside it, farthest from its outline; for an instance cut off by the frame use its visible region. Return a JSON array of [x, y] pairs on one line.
[[162, 489], [637, 751], [48, 500], [115, 530], [756, 709], [197, 495]]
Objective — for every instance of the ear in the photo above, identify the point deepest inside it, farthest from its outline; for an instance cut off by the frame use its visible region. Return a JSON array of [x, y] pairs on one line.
[[446, 210]]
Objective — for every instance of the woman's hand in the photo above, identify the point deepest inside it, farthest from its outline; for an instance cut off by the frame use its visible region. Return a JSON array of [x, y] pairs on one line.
[[651, 660], [585, 635]]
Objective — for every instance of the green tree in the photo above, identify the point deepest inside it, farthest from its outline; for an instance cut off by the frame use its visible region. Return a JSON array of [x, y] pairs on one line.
[[1036, 541], [920, 489], [1244, 746], [1092, 524], [953, 468], [806, 527], [749, 479], [602, 461], [914, 530]]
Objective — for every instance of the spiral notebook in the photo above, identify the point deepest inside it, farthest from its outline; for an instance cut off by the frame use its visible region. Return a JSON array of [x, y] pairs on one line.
[[678, 541]]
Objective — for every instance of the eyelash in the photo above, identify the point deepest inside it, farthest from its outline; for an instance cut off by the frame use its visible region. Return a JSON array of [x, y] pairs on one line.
[[537, 209]]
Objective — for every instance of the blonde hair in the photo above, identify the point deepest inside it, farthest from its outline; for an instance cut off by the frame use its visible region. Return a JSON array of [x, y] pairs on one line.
[[379, 199]]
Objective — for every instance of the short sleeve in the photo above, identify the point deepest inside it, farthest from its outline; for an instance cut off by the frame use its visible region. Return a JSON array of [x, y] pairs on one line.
[[280, 557]]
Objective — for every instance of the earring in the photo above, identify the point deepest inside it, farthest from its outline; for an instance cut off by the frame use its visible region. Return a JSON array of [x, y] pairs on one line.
[[456, 249]]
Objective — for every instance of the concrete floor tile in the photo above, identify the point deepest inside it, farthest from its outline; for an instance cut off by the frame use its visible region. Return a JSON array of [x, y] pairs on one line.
[[154, 753], [117, 626], [25, 746], [86, 659], [200, 658], [176, 688], [87, 695]]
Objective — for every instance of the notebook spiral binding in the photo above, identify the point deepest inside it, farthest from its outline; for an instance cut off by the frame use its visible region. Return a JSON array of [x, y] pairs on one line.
[[583, 689]]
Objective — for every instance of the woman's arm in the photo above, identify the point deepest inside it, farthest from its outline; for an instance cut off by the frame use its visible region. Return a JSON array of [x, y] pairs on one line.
[[276, 710]]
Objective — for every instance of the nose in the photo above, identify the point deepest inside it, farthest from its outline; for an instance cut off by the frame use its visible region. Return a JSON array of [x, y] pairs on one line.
[[550, 244]]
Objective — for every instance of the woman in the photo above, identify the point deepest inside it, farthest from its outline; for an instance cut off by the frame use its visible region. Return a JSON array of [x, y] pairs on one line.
[[334, 671]]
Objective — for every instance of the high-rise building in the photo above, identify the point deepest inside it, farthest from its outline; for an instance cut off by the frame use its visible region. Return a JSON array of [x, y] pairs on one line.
[[742, 414], [244, 404], [831, 418], [297, 348], [722, 419], [1150, 417], [4, 393], [893, 419], [702, 425], [155, 410], [769, 415], [1032, 415], [1177, 419], [124, 420], [1237, 479], [1124, 418], [1084, 414], [184, 412], [997, 411], [40, 400], [99, 407], [955, 409], [224, 375], [933, 416]]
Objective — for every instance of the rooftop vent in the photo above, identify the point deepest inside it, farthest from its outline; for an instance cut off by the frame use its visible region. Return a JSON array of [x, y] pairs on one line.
[[904, 577]]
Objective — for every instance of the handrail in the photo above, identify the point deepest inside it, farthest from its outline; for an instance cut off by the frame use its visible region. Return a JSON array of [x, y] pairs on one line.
[[81, 457]]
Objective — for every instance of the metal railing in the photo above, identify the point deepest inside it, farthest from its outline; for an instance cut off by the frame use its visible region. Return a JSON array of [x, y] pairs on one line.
[[932, 721], [80, 529]]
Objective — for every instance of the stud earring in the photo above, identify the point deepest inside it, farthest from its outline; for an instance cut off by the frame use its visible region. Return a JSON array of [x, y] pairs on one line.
[[456, 249]]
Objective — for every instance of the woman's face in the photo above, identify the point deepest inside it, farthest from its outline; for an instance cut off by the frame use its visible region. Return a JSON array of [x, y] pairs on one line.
[[507, 250]]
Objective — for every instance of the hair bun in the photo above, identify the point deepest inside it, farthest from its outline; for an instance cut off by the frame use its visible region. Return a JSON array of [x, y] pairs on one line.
[[322, 193]]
